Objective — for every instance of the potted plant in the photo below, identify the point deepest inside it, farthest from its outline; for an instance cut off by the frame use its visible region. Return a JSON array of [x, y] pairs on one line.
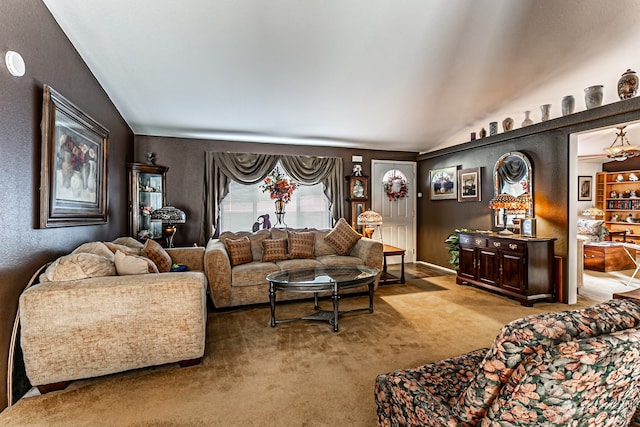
[[452, 241]]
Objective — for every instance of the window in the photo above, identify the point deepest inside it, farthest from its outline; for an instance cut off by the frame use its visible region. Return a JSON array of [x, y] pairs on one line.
[[243, 205]]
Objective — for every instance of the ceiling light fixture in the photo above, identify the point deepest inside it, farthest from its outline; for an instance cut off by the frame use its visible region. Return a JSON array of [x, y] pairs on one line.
[[624, 150]]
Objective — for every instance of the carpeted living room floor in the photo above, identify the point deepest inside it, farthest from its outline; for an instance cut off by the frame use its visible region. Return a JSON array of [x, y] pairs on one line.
[[297, 374]]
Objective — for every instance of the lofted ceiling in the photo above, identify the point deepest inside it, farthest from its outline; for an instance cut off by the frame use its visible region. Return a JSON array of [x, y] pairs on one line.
[[411, 75]]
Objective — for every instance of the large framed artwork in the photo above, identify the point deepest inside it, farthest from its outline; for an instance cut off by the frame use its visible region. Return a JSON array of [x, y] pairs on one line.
[[469, 185], [73, 174], [443, 183], [584, 188]]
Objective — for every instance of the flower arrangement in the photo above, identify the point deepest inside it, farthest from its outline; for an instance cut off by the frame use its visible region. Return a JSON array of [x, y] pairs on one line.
[[396, 188], [278, 186]]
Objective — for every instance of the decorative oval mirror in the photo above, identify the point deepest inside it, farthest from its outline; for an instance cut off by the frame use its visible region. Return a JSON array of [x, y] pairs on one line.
[[513, 175]]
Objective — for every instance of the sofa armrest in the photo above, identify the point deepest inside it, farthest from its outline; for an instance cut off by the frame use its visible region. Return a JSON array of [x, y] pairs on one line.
[[192, 257], [370, 251], [217, 267]]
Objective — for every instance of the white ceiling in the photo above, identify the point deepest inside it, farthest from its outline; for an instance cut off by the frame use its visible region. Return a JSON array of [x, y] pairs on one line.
[[413, 75]]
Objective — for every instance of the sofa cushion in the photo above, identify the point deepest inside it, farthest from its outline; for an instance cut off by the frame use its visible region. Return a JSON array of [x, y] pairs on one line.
[[294, 264], [274, 250], [96, 248], [342, 237], [115, 247], [80, 266], [252, 273], [322, 247], [301, 244], [330, 260], [239, 250], [156, 253], [133, 264], [129, 242]]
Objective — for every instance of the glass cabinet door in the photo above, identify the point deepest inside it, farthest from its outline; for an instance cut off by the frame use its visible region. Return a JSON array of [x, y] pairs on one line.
[[146, 194]]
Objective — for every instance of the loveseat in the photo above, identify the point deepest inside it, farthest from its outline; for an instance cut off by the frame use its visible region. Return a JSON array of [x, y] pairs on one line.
[[237, 264], [113, 306], [577, 367]]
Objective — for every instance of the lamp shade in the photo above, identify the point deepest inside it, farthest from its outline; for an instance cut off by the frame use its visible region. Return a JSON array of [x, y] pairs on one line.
[[593, 212], [169, 214], [369, 218], [503, 201]]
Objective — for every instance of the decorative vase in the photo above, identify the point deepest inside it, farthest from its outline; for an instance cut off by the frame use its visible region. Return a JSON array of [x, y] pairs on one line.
[[593, 96], [280, 204], [493, 128], [628, 85], [483, 133], [527, 119], [568, 105], [545, 110], [507, 124]]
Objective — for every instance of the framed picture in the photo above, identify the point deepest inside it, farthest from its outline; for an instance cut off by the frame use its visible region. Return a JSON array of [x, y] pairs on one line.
[[528, 227], [469, 186], [443, 183], [358, 187], [73, 174], [584, 188]]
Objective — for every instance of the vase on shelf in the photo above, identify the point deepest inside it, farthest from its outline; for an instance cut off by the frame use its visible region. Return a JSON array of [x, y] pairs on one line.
[[593, 96], [568, 105], [507, 124], [628, 85], [280, 204], [545, 110], [527, 119]]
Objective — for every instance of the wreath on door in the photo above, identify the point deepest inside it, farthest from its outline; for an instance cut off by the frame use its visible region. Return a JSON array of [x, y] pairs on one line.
[[396, 187]]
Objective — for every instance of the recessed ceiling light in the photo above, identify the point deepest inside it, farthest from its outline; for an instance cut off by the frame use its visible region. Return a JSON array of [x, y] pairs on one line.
[[15, 63]]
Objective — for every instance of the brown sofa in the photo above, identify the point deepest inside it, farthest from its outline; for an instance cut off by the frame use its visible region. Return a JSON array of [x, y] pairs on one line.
[[246, 283]]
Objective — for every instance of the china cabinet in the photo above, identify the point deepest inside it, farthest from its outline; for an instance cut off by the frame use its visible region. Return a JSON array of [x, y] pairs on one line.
[[147, 185]]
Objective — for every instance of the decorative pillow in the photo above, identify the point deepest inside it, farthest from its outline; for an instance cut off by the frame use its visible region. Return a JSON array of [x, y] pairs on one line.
[[96, 248], [133, 264], [301, 244], [114, 247], [274, 250], [156, 253], [342, 237], [239, 250], [321, 247], [130, 242], [80, 266], [255, 239]]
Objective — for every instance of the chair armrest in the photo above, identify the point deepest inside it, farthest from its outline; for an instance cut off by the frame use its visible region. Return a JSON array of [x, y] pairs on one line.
[[217, 267], [192, 257], [369, 251]]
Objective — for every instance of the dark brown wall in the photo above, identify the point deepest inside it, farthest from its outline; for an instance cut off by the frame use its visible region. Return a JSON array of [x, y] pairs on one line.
[[27, 27], [185, 159], [546, 144]]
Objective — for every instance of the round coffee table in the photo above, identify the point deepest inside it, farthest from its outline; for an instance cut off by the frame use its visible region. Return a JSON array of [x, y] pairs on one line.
[[321, 279]]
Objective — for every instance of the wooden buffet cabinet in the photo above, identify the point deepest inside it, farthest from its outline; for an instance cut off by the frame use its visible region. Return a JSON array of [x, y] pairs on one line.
[[517, 267]]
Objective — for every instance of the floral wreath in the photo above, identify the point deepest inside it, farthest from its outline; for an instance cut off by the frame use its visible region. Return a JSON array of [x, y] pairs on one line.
[[396, 195]]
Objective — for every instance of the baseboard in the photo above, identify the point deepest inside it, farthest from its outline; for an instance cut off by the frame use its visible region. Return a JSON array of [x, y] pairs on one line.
[[437, 267]]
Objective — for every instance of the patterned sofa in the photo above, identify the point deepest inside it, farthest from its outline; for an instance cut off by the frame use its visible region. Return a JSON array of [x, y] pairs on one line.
[[238, 263], [577, 367]]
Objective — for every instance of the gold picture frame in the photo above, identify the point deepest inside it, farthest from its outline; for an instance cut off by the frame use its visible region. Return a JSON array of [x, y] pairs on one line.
[[73, 173]]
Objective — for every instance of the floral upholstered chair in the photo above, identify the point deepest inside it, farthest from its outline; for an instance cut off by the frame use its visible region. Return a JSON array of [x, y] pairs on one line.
[[576, 367]]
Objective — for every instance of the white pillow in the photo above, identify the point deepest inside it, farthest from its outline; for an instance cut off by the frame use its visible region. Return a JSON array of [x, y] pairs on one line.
[[79, 266], [133, 264]]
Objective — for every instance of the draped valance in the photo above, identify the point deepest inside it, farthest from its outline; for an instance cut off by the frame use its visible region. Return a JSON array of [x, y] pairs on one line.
[[249, 168]]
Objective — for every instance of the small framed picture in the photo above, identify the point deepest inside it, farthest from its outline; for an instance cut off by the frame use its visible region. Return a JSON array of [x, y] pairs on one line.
[[443, 183], [469, 187], [584, 188], [528, 227]]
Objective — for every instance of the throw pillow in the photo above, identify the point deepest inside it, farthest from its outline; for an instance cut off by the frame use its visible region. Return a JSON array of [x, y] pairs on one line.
[[114, 247], [133, 264], [79, 266], [96, 248], [274, 250], [342, 237], [156, 253], [301, 244], [239, 250], [129, 241]]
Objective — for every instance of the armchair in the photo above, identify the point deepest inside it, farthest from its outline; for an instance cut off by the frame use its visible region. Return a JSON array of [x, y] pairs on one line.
[[554, 361]]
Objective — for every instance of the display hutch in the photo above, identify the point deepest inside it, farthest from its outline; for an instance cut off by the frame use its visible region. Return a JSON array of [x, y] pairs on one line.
[[358, 195], [618, 195], [147, 184]]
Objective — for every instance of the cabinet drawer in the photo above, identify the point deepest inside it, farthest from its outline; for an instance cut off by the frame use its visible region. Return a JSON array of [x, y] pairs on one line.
[[478, 242], [507, 245]]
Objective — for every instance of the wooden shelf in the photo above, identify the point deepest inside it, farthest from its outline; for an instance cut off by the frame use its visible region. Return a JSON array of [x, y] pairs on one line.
[[622, 206]]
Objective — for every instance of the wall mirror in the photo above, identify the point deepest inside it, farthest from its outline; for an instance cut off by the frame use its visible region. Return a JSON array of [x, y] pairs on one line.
[[513, 175]]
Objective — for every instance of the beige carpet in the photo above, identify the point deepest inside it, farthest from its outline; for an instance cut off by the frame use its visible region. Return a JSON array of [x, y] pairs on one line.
[[297, 374]]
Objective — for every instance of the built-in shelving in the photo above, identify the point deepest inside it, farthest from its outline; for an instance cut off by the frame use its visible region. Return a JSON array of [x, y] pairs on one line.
[[618, 195]]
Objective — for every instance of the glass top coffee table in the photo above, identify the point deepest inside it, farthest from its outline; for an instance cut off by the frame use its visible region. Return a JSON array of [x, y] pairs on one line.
[[321, 279]]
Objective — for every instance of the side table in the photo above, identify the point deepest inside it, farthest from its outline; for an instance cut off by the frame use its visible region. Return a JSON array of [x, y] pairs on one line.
[[386, 278], [633, 295]]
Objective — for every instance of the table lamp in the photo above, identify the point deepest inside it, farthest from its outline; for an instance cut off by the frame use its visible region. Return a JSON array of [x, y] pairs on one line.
[[169, 217], [370, 219], [506, 202]]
